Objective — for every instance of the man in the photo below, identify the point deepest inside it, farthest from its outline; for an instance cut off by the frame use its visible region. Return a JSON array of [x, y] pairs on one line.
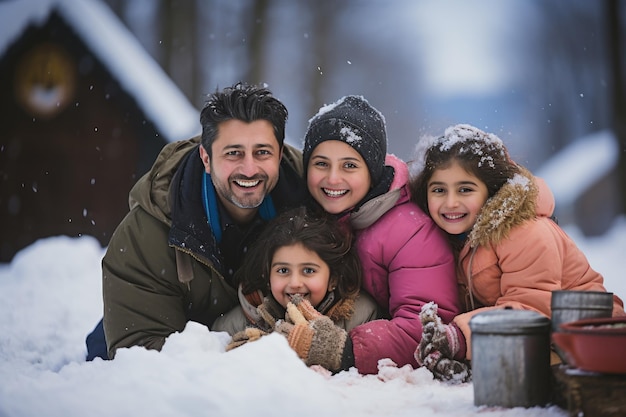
[[193, 216]]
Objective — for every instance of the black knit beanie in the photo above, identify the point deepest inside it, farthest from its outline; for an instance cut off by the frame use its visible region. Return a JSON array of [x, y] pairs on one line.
[[354, 121]]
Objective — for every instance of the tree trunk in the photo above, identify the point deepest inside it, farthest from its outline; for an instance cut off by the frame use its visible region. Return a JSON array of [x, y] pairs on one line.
[[619, 95], [257, 35], [179, 19]]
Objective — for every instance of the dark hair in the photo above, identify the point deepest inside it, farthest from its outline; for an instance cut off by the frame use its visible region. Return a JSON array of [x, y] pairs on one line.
[[482, 155], [320, 233], [242, 102]]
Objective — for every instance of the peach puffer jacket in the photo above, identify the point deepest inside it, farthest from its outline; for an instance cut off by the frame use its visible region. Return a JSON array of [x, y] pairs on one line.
[[516, 255]]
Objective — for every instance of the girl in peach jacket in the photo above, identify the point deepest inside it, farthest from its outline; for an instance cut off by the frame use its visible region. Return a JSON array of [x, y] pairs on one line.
[[510, 252]]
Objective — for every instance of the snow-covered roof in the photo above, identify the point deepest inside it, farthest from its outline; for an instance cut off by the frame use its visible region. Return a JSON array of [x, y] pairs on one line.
[[115, 46], [580, 165]]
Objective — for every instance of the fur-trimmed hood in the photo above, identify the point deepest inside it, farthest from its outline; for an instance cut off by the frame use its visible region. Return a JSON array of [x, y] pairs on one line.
[[515, 203]]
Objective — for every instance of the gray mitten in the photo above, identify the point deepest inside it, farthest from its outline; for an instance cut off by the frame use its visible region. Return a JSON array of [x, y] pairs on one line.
[[446, 369], [439, 344], [436, 336]]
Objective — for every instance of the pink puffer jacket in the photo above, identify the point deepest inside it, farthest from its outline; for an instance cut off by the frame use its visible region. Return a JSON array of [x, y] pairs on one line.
[[407, 263]]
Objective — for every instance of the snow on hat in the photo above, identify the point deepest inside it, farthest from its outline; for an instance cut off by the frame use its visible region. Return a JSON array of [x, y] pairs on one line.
[[478, 142], [354, 121]]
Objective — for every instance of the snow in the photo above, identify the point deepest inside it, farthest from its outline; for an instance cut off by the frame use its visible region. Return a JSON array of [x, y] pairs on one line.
[[461, 133], [109, 40], [50, 294], [585, 160], [50, 299], [350, 135]]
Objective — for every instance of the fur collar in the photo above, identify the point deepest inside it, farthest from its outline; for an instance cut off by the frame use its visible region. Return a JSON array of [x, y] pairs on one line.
[[511, 206]]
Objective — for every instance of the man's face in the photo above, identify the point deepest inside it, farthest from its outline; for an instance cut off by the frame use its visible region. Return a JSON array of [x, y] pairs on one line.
[[244, 166]]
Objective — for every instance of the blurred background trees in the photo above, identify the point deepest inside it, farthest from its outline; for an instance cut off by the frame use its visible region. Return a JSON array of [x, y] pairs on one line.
[[547, 76], [552, 71]]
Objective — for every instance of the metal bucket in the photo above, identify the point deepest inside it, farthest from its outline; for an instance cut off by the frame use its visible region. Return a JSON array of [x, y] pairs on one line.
[[570, 306], [511, 358]]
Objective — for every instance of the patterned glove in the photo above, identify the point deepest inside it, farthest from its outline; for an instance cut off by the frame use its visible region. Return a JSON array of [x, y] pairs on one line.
[[439, 344], [448, 370], [314, 337], [250, 334]]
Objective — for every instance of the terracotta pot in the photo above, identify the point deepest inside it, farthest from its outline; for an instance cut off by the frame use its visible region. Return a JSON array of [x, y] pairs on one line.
[[595, 345]]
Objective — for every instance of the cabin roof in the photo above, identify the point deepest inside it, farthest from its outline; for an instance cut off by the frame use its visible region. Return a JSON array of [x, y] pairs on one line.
[[116, 47]]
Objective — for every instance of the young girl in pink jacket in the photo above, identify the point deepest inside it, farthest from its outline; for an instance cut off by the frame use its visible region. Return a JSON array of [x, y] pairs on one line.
[[406, 259], [509, 252]]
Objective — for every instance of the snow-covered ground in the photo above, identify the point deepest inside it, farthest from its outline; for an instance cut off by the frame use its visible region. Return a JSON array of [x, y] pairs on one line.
[[50, 298]]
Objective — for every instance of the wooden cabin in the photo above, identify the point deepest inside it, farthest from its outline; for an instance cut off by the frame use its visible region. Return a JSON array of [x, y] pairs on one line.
[[84, 110]]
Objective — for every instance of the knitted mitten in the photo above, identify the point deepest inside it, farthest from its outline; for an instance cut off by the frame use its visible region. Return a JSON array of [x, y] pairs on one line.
[[314, 337], [270, 311], [436, 336], [446, 369], [439, 344], [250, 334]]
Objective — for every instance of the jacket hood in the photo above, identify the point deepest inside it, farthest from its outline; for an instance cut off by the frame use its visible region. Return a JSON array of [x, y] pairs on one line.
[[373, 209], [151, 191], [401, 171], [512, 205]]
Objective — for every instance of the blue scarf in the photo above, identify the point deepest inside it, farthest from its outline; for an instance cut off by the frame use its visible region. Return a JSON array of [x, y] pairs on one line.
[[209, 198]]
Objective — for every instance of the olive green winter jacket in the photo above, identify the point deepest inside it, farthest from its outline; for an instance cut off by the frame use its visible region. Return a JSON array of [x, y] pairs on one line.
[[162, 267]]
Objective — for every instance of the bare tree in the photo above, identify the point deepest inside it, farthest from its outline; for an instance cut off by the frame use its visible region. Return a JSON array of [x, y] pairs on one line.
[[571, 66], [179, 43], [615, 45], [257, 38]]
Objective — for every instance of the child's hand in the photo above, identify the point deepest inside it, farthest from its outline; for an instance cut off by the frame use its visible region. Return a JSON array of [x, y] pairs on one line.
[[314, 337], [436, 336], [439, 344], [248, 335], [304, 307]]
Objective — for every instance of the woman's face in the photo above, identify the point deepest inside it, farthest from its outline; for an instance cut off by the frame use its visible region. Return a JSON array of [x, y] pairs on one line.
[[455, 198], [337, 176], [296, 270]]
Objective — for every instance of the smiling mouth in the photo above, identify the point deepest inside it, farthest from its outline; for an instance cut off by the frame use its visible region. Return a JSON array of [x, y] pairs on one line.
[[247, 184], [300, 295], [334, 193], [453, 216]]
